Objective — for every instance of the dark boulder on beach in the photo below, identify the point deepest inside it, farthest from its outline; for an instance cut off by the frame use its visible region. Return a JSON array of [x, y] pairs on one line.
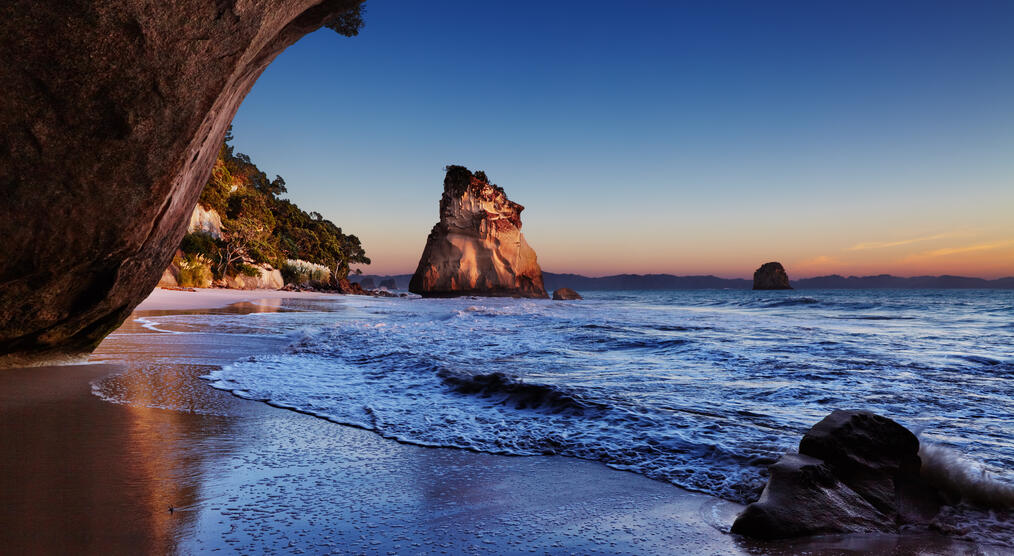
[[771, 276], [856, 472], [566, 294]]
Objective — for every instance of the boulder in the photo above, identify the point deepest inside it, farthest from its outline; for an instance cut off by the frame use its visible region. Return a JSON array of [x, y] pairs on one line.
[[771, 276], [856, 472], [112, 115], [267, 279], [477, 247], [566, 294]]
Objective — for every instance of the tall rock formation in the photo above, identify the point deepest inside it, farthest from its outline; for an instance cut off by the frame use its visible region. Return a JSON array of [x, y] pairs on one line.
[[110, 121], [477, 248], [771, 276]]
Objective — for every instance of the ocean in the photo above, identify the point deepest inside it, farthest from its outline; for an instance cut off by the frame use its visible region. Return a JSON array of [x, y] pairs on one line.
[[703, 389]]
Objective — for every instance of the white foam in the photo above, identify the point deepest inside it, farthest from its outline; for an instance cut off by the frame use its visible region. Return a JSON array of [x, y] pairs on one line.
[[963, 479]]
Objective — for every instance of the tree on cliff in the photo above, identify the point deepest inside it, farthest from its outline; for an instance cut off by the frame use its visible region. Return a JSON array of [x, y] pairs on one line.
[[260, 227], [348, 23]]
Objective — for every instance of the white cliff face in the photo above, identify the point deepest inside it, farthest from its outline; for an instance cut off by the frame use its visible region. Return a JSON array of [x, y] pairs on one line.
[[206, 220], [477, 248]]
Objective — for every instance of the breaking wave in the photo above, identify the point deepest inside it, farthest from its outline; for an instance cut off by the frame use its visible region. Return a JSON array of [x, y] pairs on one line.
[[703, 389]]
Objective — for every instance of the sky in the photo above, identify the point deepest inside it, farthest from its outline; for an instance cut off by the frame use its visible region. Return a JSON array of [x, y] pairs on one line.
[[662, 137]]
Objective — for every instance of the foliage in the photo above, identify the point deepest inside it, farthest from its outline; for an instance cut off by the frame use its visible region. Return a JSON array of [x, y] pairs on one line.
[[259, 227], [200, 243], [349, 22], [195, 271], [296, 271], [249, 270]]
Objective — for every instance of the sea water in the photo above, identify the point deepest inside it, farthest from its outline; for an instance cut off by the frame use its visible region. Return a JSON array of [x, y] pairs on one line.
[[703, 389]]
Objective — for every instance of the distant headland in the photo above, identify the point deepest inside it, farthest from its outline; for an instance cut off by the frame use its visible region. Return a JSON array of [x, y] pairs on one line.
[[706, 282]]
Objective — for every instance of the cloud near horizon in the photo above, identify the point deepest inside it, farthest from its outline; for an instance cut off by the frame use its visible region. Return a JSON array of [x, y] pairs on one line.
[[886, 244], [963, 249]]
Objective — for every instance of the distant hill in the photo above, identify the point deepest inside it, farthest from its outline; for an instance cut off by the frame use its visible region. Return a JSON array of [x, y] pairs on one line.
[[642, 282], [836, 281], [671, 282]]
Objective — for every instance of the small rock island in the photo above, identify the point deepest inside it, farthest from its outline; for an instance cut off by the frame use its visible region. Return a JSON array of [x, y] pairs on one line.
[[771, 276], [477, 247]]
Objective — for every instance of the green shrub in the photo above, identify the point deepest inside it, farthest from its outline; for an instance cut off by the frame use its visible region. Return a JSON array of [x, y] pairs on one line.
[[200, 243], [195, 271], [249, 270]]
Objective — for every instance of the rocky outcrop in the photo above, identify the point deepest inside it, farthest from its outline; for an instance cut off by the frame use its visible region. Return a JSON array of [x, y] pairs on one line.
[[856, 472], [771, 276], [389, 283], [566, 294], [206, 220], [268, 278], [477, 247], [112, 115]]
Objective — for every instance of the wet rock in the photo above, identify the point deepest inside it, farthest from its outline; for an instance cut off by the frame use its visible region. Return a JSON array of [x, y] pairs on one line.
[[566, 294], [112, 115], [477, 247], [771, 276], [856, 472]]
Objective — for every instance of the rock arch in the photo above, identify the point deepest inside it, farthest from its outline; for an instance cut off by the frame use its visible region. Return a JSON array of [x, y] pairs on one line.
[[111, 117]]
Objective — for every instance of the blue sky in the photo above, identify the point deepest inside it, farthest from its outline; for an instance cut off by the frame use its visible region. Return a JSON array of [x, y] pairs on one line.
[[682, 137]]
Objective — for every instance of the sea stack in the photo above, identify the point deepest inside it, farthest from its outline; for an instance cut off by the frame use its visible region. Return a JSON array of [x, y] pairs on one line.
[[771, 276], [477, 247]]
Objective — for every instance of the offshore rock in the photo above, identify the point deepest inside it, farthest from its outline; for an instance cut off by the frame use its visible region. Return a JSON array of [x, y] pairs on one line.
[[477, 247], [566, 294], [856, 472], [771, 276], [112, 115]]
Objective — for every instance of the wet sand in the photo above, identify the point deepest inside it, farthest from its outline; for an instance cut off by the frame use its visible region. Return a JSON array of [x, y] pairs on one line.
[[81, 474]]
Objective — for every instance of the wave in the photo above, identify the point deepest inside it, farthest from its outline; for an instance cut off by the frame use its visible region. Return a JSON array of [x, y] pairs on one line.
[[518, 394], [963, 480]]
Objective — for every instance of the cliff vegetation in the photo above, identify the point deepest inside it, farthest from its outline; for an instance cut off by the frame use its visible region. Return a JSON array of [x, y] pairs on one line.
[[260, 229]]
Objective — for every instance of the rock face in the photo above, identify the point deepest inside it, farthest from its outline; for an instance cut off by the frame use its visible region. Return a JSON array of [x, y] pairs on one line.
[[112, 115], [267, 279], [206, 220], [771, 276], [856, 472], [477, 247], [566, 294]]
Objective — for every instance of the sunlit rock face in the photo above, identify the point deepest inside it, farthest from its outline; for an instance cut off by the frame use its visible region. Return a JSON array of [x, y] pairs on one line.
[[111, 116], [477, 248]]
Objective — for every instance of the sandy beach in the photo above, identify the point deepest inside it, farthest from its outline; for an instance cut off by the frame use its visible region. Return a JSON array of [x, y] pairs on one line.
[[85, 475]]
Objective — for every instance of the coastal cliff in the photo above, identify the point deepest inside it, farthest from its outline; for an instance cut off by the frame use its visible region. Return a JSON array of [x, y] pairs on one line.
[[117, 107], [477, 247], [244, 235]]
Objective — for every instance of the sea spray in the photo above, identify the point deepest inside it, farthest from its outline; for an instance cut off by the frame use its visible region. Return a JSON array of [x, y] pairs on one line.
[[963, 480]]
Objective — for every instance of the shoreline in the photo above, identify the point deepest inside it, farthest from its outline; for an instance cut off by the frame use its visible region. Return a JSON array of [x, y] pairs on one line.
[[246, 476]]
